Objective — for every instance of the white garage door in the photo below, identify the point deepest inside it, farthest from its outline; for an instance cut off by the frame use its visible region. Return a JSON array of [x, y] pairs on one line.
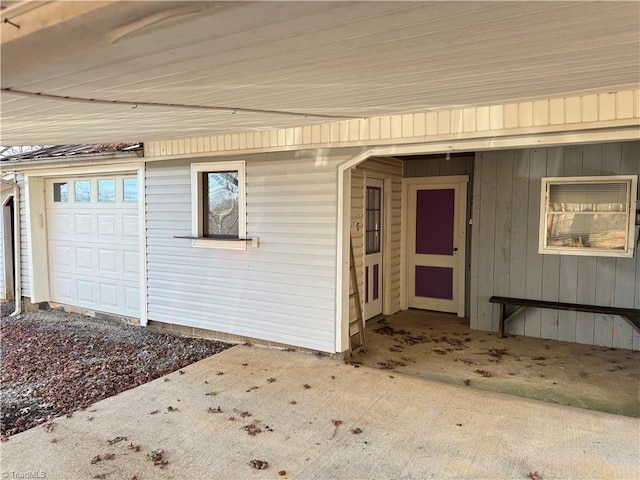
[[92, 237]]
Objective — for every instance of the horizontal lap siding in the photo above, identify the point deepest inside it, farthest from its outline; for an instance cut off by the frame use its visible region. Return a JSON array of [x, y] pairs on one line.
[[284, 290], [506, 239], [385, 168], [24, 240], [3, 288]]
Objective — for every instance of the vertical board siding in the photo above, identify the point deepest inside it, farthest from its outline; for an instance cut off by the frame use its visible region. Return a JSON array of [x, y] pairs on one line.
[[507, 247], [385, 168], [284, 290]]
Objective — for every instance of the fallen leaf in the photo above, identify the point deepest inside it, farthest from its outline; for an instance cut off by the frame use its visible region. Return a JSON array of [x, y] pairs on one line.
[[259, 464], [214, 410], [154, 412], [271, 380], [212, 393], [306, 385], [252, 429], [96, 459], [181, 372], [109, 456], [171, 409], [116, 440], [356, 431], [282, 473], [534, 476]]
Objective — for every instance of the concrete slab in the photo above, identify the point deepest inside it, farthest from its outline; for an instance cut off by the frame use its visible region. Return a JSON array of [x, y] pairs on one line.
[[442, 347], [412, 428]]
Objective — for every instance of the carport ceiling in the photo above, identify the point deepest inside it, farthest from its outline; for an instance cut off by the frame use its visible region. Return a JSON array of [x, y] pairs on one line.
[[268, 61]]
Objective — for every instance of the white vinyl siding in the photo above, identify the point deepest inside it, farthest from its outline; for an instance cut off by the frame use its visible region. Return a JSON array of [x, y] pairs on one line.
[[505, 237], [3, 288], [283, 290], [24, 240]]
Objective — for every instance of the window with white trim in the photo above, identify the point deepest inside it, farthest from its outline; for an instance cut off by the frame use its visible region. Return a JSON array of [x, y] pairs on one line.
[[592, 216], [218, 204]]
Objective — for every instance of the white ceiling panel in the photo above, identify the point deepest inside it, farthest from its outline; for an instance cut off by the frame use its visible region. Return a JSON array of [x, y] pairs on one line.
[[322, 59]]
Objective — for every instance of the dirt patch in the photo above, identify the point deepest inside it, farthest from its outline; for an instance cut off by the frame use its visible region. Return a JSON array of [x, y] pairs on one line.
[[54, 363]]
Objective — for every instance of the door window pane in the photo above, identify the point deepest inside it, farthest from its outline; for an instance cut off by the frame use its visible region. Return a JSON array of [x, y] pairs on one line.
[[83, 191], [107, 190], [372, 219], [130, 189], [221, 204], [60, 192]]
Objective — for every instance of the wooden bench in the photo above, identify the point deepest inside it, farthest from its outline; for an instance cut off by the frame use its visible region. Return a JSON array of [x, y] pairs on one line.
[[631, 315]]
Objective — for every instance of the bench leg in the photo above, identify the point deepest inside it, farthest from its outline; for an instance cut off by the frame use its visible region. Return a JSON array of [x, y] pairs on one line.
[[501, 325]]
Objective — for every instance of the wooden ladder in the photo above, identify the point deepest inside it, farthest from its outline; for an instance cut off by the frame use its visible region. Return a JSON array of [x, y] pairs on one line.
[[357, 340]]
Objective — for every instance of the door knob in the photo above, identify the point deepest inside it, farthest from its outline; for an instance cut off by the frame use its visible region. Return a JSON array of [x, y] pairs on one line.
[[455, 249]]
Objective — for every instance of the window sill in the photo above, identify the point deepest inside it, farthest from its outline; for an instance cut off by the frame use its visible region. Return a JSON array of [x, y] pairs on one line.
[[220, 243]]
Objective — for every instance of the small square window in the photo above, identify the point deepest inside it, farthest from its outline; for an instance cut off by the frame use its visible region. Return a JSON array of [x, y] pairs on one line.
[[218, 204], [130, 187], [107, 190], [588, 215], [60, 192], [83, 190]]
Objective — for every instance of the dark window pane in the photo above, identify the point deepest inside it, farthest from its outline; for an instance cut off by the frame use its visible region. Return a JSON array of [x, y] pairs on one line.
[[60, 192], [372, 220], [130, 189], [221, 204]]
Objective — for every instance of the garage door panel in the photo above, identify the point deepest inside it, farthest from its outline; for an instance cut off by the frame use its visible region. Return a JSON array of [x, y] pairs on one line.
[[130, 226], [84, 259], [82, 225], [106, 227], [131, 262], [62, 286], [60, 256], [107, 260], [85, 291], [132, 296], [61, 223], [93, 249], [108, 294]]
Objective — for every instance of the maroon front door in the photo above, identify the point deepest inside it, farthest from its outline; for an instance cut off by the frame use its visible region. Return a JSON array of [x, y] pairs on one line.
[[434, 242]]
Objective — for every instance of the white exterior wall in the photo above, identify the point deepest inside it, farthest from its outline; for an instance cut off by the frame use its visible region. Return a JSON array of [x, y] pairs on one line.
[[24, 240], [284, 290], [3, 289], [505, 258]]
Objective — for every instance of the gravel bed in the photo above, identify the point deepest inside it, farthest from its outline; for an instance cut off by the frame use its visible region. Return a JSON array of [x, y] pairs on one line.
[[53, 363]]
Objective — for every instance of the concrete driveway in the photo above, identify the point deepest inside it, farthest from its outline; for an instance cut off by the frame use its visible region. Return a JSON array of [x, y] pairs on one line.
[[317, 418]]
